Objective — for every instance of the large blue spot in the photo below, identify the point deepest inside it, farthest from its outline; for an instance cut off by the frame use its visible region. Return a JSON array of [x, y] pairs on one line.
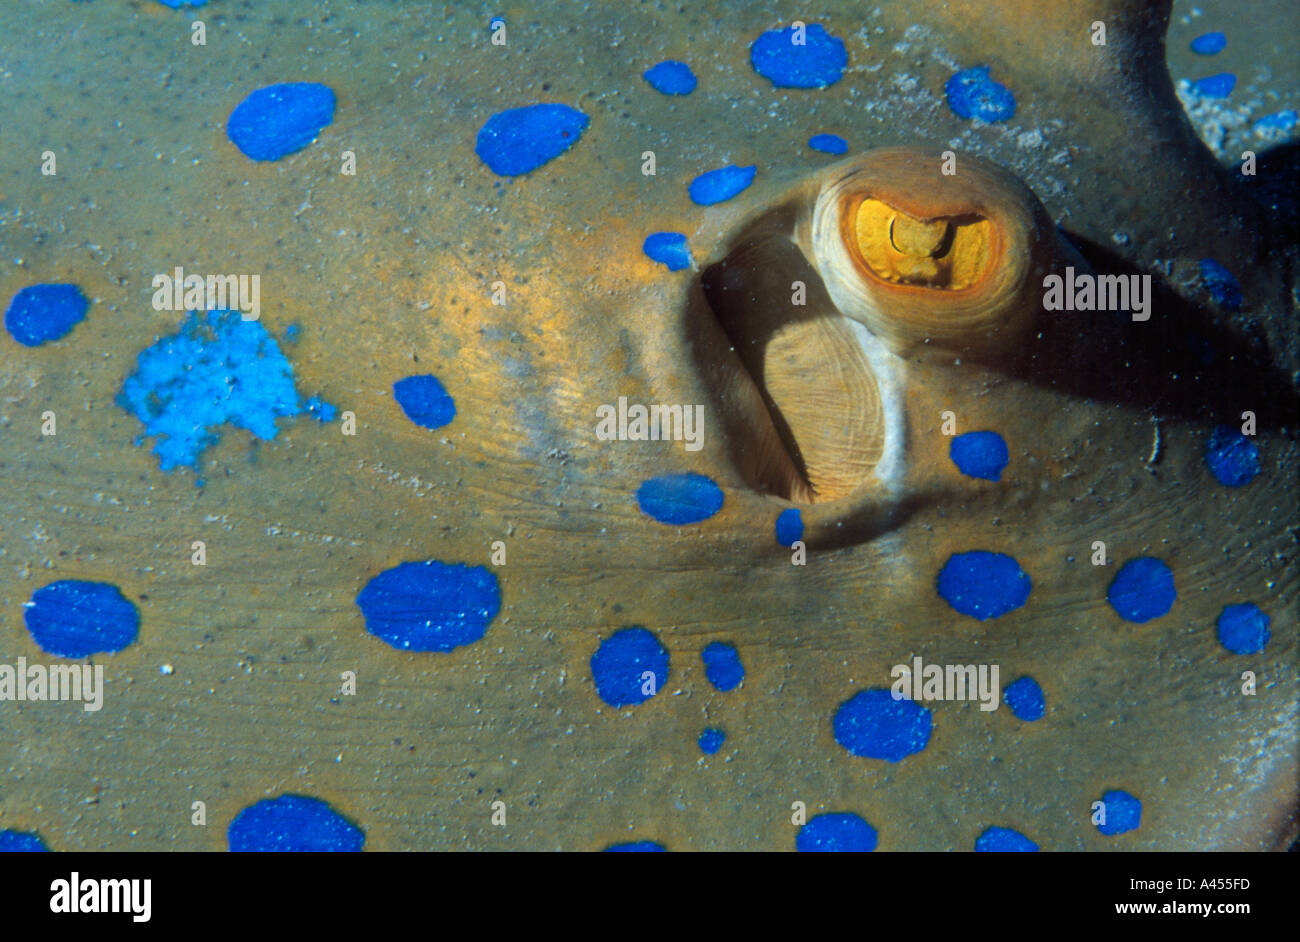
[[636, 847], [424, 400], [279, 120], [1123, 813], [671, 78], [520, 140], [1221, 284], [983, 585], [71, 618], [430, 606], [219, 368], [973, 94], [1001, 840], [1277, 121], [789, 527], [828, 143], [836, 832], [679, 499], [1208, 44], [711, 740], [980, 455], [1243, 629], [668, 248], [1214, 86], [718, 186], [873, 724], [722, 666], [815, 62], [293, 824], [21, 842], [621, 662], [1025, 698], [41, 313], [1143, 589], [1232, 458]]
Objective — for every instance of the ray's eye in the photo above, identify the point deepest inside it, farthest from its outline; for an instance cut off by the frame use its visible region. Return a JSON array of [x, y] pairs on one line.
[[948, 252]]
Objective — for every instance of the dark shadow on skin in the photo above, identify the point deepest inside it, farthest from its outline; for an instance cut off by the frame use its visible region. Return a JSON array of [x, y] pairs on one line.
[[1276, 188]]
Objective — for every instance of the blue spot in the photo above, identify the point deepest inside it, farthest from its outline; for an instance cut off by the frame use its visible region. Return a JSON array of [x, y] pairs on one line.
[[1278, 121], [983, 585], [1208, 44], [815, 63], [1025, 698], [836, 833], [492, 23], [679, 499], [1143, 589], [1214, 86], [1001, 840], [973, 94], [218, 369], [321, 410], [520, 140], [636, 847], [718, 186], [292, 333], [722, 666], [279, 120], [1243, 629], [829, 143], [668, 248], [873, 724], [71, 618], [293, 824], [621, 661], [41, 313], [177, 4], [789, 527], [430, 606], [21, 842], [1232, 458], [711, 740], [1123, 813], [424, 401], [1221, 284], [671, 78], [980, 455]]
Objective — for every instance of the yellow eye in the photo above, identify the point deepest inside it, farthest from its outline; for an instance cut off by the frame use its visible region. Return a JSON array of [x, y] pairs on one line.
[[949, 252]]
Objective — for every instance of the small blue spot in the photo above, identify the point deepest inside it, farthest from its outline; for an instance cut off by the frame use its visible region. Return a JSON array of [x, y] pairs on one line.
[[973, 94], [836, 833], [1123, 813], [621, 662], [292, 333], [424, 400], [1277, 121], [71, 618], [983, 585], [671, 78], [789, 527], [679, 499], [1025, 698], [1143, 589], [21, 842], [1243, 629], [668, 248], [41, 313], [430, 606], [711, 740], [278, 120], [1232, 458], [1002, 840], [177, 4], [520, 140], [636, 847], [1208, 44], [829, 143], [321, 410], [293, 824], [1220, 283], [1214, 86], [816, 62], [718, 186], [980, 455], [722, 666], [493, 23], [873, 724]]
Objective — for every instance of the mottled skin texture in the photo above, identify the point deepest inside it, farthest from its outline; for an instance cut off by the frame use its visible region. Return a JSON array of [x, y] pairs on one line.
[[390, 273]]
